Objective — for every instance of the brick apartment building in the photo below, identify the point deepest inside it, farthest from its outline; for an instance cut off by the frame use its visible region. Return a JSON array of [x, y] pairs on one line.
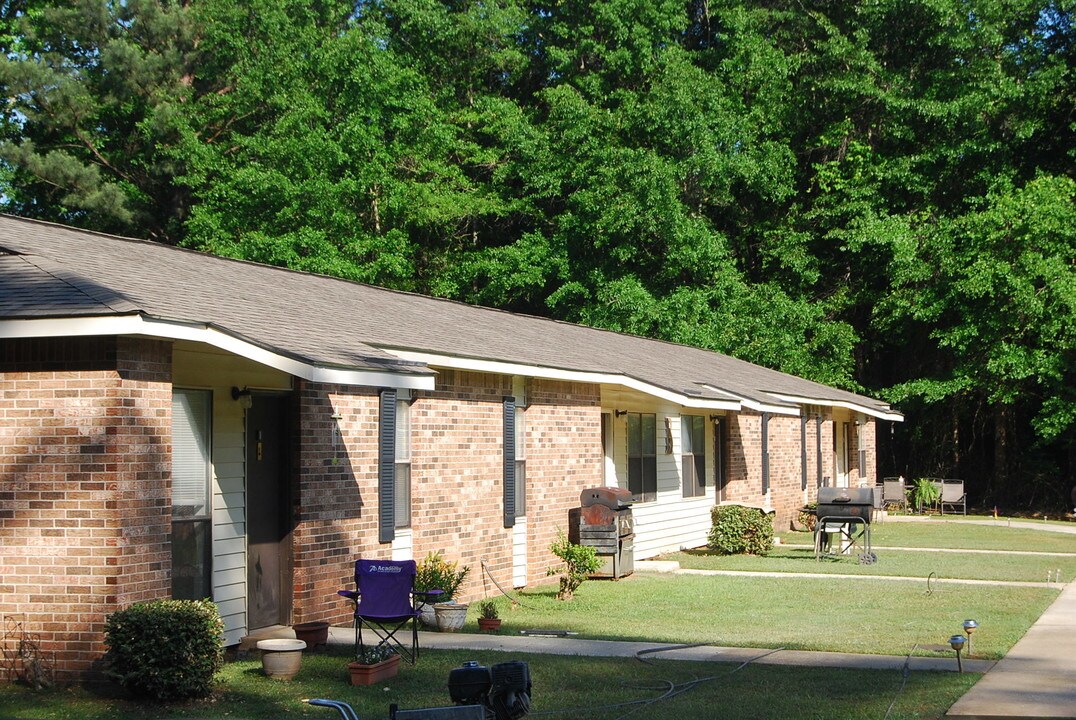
[[179, 425]]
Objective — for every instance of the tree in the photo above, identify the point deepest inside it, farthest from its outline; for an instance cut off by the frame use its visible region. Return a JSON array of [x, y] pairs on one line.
[[94, 89]]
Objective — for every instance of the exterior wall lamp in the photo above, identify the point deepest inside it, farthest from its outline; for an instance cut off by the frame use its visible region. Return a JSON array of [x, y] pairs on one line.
[[243, 397]]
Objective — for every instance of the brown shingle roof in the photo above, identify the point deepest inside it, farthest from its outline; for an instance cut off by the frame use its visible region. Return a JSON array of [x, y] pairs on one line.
[[61, 271]]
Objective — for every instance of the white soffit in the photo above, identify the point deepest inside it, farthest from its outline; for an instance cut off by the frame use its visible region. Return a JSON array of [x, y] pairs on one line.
[[139, 325], [880, 414], [536, 371]]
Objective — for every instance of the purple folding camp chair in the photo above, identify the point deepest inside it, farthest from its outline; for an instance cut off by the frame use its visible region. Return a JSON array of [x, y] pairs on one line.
[[385, 603]]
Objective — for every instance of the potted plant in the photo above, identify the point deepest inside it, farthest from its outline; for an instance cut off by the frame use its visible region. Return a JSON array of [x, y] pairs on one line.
[[489, 620], [433, 574], [373, 664], [925, 492]]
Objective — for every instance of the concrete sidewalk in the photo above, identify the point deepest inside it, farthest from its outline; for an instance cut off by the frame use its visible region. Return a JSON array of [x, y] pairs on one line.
[[548, 645], [699, 653], [1037, 678]]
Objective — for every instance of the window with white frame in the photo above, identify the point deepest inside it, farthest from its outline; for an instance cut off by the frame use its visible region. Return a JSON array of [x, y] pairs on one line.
[[191, 508], [402, 482], [519, 391], [693, 454]]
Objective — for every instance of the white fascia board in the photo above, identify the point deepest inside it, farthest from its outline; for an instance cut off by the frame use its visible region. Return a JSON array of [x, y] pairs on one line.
[[498, 367], [761, 407], [139, 325], [854, 407]]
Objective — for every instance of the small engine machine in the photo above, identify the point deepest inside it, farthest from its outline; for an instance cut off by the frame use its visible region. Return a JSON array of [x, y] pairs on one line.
[[503, 690]]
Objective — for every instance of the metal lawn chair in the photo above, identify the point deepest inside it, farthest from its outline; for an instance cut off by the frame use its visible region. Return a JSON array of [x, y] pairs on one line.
[[953, 496], [894, 494]]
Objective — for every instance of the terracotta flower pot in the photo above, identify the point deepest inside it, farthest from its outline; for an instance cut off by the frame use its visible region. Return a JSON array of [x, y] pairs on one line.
[[489, 624], [312, 633], [362, 674]]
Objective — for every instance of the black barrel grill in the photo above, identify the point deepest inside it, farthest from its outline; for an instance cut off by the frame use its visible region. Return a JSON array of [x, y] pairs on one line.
[[844, 516], [604, 522]]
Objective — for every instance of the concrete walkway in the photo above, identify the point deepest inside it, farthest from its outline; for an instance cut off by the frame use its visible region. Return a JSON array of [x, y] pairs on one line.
[[1037, 678]]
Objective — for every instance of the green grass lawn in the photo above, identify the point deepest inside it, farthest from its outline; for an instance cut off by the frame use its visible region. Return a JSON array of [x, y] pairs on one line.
[[835, 614], [563, 687], [863, 616], [947, 533], [976, 566]]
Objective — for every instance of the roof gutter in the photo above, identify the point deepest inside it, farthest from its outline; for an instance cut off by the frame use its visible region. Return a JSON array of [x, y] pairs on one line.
[[887, 414], [422, 379]]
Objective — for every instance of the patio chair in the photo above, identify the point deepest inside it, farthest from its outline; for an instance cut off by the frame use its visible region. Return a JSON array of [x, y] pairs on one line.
[[385, 604], [894, 494], [953, 496], [877, 503]]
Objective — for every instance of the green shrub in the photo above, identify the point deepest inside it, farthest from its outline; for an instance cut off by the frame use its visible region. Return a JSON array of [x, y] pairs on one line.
[[737, 529], [165, 649], [436, 573], [579, 561]]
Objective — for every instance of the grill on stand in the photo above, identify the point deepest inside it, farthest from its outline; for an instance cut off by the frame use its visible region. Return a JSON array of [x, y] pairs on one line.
[[605, 523], [844, 521]]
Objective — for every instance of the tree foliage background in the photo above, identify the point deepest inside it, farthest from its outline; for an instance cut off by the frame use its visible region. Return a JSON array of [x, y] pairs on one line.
[[876, 195]]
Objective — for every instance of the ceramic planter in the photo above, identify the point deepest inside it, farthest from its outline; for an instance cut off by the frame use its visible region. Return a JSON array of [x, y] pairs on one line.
[[314, 634], [363, 674], [450, 616], [427, 615], [281, 658]]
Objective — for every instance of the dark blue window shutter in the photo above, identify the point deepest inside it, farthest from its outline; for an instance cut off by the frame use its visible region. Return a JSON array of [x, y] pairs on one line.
[[509, 462], [765, 453], [803, 452], [386, 459], [818, 445]]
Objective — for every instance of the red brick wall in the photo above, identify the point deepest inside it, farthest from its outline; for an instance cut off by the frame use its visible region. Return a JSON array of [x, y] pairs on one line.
[[456, 479], [786, 479], [336, 491], [85, 426], [564, 456], [786, 495]]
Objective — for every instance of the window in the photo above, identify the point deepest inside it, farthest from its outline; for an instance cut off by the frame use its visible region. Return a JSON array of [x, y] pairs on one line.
[[191, 473], [642, 457], [521, 459], [693, 454], [402, 493]]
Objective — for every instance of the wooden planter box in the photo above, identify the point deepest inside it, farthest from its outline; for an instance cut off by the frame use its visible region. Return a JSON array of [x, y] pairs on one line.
[[362, 674]]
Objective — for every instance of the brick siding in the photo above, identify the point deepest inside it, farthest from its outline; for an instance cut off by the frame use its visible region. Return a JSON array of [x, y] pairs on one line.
[[85, 428], [456, 472]]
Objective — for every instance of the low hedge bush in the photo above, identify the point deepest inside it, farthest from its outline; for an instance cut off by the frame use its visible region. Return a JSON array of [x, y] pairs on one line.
[[165, 649], [737, 530]]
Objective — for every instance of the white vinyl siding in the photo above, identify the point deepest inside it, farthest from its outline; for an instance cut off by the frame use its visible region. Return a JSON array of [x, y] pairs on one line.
[[196, 365]]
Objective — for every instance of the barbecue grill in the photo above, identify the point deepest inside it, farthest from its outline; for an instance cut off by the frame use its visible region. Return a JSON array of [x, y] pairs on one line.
[[844, 517], [605, 523]]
